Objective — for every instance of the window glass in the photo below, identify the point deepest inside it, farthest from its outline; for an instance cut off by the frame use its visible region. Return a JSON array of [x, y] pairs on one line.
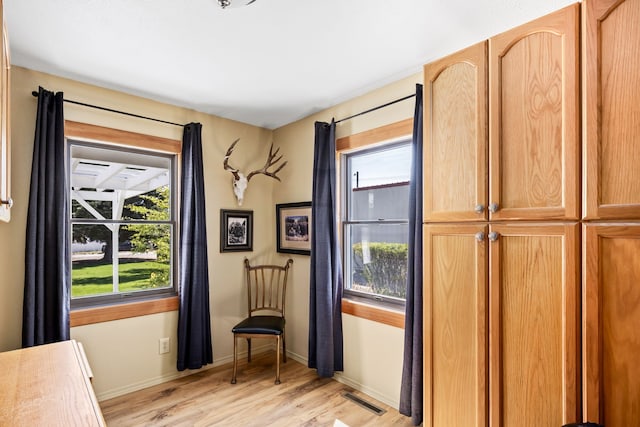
[[375, 228], [122, 224]]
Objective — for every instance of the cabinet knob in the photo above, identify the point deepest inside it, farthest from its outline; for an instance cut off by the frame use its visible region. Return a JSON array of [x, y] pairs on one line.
[[8, 202], [493, 207], [479, 209], [493, 236], [479, 236]]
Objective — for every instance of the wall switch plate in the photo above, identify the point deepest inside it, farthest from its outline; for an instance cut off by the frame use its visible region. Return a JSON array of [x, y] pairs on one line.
[[163, 345]]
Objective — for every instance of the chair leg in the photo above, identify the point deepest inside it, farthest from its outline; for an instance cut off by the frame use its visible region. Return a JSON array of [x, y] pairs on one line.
[[278, 359], [284, 348], [235, 359], [249, 350]]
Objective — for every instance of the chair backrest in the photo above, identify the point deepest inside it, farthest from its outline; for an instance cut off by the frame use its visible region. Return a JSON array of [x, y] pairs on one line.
[[267, 287]]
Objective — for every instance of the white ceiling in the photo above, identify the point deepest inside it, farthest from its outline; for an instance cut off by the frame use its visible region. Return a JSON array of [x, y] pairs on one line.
[[266, 64]]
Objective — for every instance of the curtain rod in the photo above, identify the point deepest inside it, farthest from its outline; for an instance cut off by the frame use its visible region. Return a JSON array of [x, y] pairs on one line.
[[34, 93], [376, 108]]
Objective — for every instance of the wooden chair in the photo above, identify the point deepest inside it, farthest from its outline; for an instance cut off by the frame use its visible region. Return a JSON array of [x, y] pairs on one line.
[[267, 286]]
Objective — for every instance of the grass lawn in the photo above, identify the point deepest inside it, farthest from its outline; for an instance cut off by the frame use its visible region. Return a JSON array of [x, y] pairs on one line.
[[91, 278]]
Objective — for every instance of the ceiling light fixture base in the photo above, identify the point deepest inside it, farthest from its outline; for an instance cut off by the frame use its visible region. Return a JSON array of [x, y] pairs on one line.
[[224, 4]]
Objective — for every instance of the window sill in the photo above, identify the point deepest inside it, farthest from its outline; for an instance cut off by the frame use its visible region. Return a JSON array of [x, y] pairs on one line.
[[371, 312], [88, 316]]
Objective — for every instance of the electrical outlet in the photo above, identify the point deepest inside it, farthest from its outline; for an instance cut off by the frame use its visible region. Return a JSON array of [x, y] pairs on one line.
[[163, 345]]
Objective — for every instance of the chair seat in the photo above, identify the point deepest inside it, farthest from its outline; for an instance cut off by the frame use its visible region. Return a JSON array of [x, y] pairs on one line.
[[267, 325]]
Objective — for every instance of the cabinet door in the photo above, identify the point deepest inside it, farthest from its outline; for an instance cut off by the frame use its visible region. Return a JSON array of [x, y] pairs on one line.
[[533, 324], [5, 135], [455, 155], [611, 324], [611, 110], [534, 119], [455, 310]]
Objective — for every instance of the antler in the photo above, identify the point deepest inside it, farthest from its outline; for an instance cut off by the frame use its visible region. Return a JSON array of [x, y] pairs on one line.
[[270, 162], [227, 167]]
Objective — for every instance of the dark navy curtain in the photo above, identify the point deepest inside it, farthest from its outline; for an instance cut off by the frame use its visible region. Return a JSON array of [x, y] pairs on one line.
[[194, 325], [325, 311], [411, 390], [45, 314]]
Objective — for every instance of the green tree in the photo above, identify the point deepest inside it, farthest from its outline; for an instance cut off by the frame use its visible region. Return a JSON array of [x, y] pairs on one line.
[[152, 206]]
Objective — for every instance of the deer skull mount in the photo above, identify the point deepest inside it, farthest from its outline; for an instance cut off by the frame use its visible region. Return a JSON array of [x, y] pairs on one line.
[[240, 181]]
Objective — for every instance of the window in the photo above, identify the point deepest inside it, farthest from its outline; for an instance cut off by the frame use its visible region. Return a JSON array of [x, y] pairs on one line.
[[122, 224], [375, 221]]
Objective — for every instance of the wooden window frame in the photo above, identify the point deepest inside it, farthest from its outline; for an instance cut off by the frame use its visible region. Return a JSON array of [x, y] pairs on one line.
[[370, 138], [374, 313], [88, 316], [117, 137], [111, 136]]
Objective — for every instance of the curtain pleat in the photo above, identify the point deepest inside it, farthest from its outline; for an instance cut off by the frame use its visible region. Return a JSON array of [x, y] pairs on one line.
[[411, 390], [325, 312], [194, 325], [47, 276]]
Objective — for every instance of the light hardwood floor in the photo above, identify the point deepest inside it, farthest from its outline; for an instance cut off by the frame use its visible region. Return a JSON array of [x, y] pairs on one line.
[[209, 399]]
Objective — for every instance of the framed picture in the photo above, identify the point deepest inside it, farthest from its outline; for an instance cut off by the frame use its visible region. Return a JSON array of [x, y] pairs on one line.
[[236, 230], [293, 225]]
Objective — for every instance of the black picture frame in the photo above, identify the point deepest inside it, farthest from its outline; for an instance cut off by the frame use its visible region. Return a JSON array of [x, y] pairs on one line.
[[236, 231], [293, 228]]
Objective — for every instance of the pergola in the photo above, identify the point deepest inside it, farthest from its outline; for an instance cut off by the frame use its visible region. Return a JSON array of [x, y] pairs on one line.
[[114, 176]]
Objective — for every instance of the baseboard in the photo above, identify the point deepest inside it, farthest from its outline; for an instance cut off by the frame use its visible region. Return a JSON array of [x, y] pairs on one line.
[[340, 377], [388, 400], [298, 358], [130, 388]]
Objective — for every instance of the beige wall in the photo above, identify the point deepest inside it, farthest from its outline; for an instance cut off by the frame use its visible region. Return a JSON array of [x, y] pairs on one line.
[[373, 351], [124, 354]]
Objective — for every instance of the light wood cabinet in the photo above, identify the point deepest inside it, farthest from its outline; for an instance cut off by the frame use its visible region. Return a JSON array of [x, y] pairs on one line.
[[508, 353], [611, 324], [5, 134], [455, 313], [533, 324], [611, 75], [530, 268], [529, 104], [48, 385], [611, 177], [455, 155], [534, 119]]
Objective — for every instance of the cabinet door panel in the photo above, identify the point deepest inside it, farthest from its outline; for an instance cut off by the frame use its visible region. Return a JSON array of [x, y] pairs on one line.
[[455, 169], [612, 114], [5, 132], [611, 328], [534, 138], [455, 323], [533, 340]]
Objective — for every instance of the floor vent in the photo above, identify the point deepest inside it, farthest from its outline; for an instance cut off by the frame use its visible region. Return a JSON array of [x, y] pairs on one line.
[[366, 405]]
